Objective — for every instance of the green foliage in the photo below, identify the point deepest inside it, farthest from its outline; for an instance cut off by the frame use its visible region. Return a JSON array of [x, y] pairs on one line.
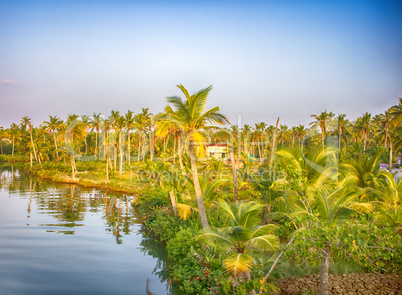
[[359, 242], [13, 159]]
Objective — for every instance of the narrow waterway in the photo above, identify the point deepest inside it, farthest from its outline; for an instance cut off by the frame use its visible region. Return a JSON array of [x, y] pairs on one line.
[[65, 239]]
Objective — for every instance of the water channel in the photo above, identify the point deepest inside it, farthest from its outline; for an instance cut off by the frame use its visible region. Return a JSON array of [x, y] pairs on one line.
[[65, 239]]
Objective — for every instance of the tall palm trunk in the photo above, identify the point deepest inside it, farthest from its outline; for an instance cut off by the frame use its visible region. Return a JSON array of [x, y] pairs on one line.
[[323, 135], [96, 143], [174, 151], [143, 147], [323, 287], [128, 148], [32, 142], [234, 172], [107, 157], [86, 145], [390, 156], [115, 156], [72, 163], [104, 144], [173, 200], [55, 143], [180, 147], [340, 138], [364, 142], [151, 143], [197, 188], [121, 155], [139, 148], [273, 144]]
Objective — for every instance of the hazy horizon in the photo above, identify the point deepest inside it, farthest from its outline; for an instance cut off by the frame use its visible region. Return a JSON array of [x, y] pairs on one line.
[[265, 59]]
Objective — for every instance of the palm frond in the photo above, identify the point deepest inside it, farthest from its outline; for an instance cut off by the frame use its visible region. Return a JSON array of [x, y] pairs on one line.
[[238, 263], [184, 211], [215, 236], [263, 230], [198, 101], [265, 242]]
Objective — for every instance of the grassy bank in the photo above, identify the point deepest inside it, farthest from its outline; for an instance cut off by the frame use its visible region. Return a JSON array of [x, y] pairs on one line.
[[13, 159], [90, 174]]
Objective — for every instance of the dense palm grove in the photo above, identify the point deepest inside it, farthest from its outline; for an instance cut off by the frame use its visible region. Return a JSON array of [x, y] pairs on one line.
[[284, 200]]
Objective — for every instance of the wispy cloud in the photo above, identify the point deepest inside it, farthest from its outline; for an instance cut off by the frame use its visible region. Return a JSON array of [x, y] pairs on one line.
[[7, 82]]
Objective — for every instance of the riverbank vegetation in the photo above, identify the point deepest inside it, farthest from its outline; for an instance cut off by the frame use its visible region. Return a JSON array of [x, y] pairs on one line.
[[237, 207]]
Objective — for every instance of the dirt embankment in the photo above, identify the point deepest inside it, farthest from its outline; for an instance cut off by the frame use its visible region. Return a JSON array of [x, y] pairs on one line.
[[365, 284]]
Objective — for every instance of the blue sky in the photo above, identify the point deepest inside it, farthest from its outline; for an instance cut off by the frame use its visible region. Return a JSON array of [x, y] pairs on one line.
[[265, 59]]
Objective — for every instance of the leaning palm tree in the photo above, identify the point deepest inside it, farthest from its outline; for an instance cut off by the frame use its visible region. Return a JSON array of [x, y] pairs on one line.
[[27, 121], [191, 117]]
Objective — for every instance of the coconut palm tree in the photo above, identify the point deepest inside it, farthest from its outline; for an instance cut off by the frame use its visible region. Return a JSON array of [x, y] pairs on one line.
[[148, 120], [106, 128], [130, 123], [191, 117], [243, 234], [283, 134], [14, 135], [246, 135], [3, 136], [165, 127], [85, 126], [114, 122], [301, 132], [389, 202], [95, 123], [73, 131], [140, 125], [343, 126], [259, 136], [329, 205], [364, 127], [51, 126], [323, 122], [396, 112], [383, 122], [396, 129], [234, 132], [26, 121]]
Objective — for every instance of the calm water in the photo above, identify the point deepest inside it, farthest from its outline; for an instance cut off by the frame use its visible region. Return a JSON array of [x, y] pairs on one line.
[[63, 239]]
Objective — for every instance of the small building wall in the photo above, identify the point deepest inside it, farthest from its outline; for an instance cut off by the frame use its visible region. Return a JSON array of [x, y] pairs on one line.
[[217, 151]]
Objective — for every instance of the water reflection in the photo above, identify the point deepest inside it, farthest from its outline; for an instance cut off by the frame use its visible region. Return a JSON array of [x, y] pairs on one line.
[[69, 203], [60, 211]]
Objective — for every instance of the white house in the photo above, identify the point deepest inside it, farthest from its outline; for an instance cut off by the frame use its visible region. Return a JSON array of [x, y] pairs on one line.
[[217, 151]]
